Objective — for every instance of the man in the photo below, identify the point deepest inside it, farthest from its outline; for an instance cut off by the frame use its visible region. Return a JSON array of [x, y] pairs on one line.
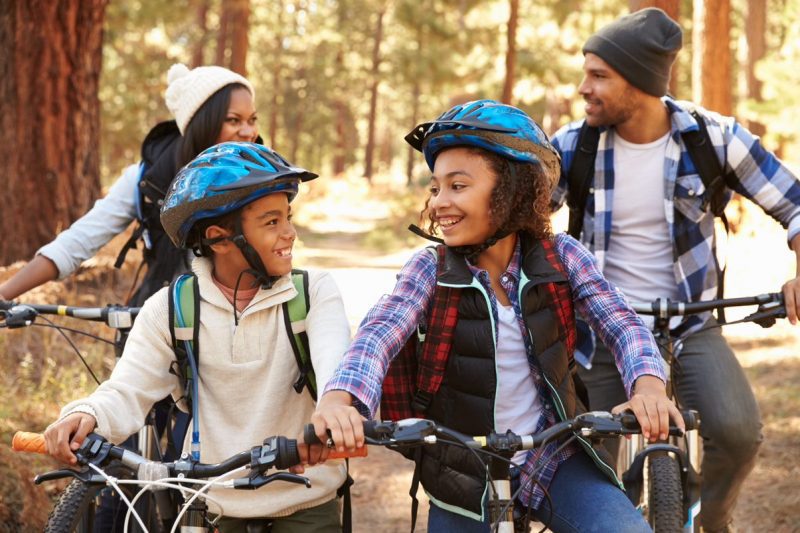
[[648, 221]]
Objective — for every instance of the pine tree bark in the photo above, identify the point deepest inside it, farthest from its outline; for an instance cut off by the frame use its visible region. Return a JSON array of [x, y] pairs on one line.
[[239, 26], [202, 24], [511, 52], [49, 118], [711, 62], [369, 152], [756, 29]]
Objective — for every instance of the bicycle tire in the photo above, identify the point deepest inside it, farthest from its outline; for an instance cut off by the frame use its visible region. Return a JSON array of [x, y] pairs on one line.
[[665, 494], [74, 511]]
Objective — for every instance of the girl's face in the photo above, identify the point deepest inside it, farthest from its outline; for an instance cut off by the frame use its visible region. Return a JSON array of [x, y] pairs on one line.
[[461, 189], [240, 121]]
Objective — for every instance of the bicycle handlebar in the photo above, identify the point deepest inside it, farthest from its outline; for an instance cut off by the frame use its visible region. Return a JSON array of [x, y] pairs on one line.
[[771, 306], [18, 315], [415, 431]]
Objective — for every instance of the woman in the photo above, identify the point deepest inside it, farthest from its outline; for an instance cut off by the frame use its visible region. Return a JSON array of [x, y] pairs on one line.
[[210, 105]]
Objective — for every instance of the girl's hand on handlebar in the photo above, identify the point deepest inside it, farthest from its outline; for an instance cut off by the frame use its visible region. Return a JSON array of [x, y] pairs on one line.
[[66, 435], [336, 420], [652, 407]]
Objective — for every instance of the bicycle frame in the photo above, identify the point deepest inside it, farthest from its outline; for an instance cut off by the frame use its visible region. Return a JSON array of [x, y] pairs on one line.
[[686, 450]]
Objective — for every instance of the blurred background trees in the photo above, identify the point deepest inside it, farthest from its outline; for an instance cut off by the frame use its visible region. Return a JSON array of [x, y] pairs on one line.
[[340, 82]]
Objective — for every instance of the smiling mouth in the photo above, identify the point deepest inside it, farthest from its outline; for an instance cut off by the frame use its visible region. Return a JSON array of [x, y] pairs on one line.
[[448, 222], [283, 252]]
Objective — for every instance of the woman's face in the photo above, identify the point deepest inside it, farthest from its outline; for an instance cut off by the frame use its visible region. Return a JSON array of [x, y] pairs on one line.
[[461, 190], [240, 121]]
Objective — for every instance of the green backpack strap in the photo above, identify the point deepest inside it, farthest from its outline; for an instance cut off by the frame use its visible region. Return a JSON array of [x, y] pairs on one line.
[[294, 315], [184, 328]]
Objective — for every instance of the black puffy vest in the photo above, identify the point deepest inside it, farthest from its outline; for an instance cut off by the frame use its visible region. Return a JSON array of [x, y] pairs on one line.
[[465, 401]]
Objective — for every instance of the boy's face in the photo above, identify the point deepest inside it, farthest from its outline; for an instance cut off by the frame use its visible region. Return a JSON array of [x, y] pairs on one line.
[[461, 190], [267, 226]]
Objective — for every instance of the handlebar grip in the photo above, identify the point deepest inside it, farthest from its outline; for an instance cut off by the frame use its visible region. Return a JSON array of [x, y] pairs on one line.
[[24, 441], [310, 437]]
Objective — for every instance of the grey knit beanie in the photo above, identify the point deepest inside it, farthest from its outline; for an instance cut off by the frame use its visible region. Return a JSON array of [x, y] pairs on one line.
[[641, 46]]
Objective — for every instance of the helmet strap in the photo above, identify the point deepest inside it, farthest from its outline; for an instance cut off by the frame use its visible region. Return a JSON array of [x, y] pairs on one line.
[[257, 268]]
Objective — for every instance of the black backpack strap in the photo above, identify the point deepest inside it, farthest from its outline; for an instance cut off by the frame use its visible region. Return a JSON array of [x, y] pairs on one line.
[[347, 508], [415, 487], [704, 156], [580, 176]]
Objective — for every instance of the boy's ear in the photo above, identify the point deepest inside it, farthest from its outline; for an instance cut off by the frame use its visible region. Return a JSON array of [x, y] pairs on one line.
[[222, 246]]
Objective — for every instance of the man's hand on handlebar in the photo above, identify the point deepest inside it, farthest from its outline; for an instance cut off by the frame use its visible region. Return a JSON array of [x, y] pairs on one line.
[[652, 407]]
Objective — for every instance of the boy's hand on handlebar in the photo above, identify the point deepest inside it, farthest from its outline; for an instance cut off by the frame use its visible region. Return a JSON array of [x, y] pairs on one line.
[[336, 420], [652, 407], [65, 436]]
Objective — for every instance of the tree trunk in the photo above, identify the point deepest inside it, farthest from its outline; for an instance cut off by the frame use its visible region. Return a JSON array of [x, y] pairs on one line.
[[202, 24], [373, 97], [673, 9], [238, 28], [711, 61], [49, 118], [756, 29], [223, 35], [511, 52], [340, 121], [413, 154], [277, 75]]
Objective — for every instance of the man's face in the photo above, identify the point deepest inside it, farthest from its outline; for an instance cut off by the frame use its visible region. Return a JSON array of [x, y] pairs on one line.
[[610, 99]]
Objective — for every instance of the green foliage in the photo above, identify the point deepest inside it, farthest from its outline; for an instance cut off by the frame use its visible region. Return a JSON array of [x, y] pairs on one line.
[[310, 62]]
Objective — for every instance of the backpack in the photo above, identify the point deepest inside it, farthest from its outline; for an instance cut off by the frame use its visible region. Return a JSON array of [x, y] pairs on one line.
[[416, 373], [701, 151], [184, 319]]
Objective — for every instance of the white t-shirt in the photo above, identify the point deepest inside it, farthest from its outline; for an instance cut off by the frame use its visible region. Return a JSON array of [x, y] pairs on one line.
[[517, 403], [639, 259]]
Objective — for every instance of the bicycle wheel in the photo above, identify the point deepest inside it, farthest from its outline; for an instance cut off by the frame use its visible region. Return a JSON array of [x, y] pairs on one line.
[[79, 509], [665, 493]]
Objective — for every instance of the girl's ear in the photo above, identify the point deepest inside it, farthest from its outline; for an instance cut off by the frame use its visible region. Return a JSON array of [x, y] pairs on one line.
[[223, 245]]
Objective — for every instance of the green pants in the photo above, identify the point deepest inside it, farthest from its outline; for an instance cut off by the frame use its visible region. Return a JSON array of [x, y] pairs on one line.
[[323, 518]]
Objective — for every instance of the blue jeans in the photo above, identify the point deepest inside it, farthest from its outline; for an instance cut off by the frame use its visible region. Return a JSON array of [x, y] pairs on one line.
[[583, 500]]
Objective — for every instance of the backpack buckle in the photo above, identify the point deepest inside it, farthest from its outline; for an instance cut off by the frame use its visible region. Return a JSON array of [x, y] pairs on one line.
[[421, 401], [302, 381]]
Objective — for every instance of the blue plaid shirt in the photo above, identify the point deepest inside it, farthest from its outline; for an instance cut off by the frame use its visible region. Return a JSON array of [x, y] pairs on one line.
[[388, 325], [759, 176]]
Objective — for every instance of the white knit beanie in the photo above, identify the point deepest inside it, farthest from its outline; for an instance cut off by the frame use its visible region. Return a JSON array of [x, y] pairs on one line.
[[187, 90]]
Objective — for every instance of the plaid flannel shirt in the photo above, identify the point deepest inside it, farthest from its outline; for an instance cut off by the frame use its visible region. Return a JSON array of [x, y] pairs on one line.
[[758, 175], [388, 325]]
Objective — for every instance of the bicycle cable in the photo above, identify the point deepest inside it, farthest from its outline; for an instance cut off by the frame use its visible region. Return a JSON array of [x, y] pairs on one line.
[[77, 351]]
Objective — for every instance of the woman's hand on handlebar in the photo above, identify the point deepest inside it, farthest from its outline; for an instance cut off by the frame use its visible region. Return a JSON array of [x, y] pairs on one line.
[[337, 419], [652, 407], [66, 435]]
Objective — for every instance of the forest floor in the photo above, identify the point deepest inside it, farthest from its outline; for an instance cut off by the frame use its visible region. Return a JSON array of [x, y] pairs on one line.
[[39, 375]]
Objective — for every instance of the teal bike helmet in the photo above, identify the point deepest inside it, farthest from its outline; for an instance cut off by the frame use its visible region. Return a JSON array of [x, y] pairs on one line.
[[499, 128], [221, 180]]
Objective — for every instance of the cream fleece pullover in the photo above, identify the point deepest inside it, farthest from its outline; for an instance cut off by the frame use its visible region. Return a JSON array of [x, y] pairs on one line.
[[245, 388]]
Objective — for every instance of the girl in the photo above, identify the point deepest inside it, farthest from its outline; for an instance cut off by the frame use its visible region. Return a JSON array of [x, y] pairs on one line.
[[209, 105], [493, 172], [230, 205]]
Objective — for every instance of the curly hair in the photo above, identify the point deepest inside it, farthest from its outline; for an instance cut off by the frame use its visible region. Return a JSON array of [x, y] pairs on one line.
[[520, 200]]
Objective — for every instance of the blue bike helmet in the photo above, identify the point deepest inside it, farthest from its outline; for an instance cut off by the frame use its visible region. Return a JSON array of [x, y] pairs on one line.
[[220, 180], [499, 128]]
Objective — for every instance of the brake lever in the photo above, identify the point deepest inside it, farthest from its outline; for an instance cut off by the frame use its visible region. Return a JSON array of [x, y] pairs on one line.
[[85, 476], [254, 482]]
